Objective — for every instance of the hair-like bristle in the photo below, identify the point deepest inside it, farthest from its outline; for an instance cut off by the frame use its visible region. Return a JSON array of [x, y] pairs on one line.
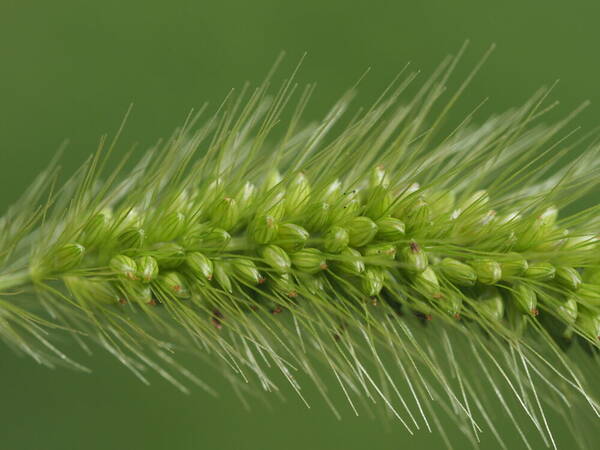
[[429, 274]]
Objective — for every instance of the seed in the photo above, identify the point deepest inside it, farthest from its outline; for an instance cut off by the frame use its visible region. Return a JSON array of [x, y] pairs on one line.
[[488, 271], [175, 284], [541, 271], [200, 265], [124, 266], [297, 194], [246, 270], [336, 239], [147, 268], [390, 229], [97, 229], [277, 258], [525, 298], [67, 257], [426, 282], [362, 230], [309, 260], [226, 214], [413, 257], [131, 237], [263, 229], [490, 304], [458, 272], [170, 227], [372, 281], [513, 266], [568, 277], [350, 261], [291, 237]]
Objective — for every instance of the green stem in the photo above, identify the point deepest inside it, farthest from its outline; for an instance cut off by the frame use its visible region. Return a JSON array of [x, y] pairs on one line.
[[14, 280]]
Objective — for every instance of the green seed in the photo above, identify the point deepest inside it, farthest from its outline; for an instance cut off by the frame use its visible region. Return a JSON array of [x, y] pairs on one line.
[[378, 201], [291, 237], [589, 324], [567, 311], [263, 229], [277, 258], [525, 298], [226, 214], [541, 271], [200, 265], [413, 257], [513, 266], [417, 216], [390, 229], [283, 282], [336, 239], [297, 194], [488, 271], [351, 262], [313, 284], [568, 277], [246, 196], [124, 266], [451, 303], [97, 229], [534, 231], [362, 230], [137, 292], [147, 268], [174, 283], [215, 239], [169, 255], [246, 270], [378, 177], [372, 281], [490, 304], [316, 216], [381, 251], [344, 211], [221, 269], [332, 192], [67, 257], [131, 237], [309, 260], [458, 272], [427, 283], [170, 227]]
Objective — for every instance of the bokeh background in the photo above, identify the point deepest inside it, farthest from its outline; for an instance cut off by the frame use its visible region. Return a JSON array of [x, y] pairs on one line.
[[70, 68]]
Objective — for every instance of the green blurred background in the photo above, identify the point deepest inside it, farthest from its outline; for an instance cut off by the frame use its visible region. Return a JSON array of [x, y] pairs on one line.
[[69, 69]]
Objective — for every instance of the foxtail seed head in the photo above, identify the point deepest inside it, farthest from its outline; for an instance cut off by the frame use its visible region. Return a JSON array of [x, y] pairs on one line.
[[207, 242]]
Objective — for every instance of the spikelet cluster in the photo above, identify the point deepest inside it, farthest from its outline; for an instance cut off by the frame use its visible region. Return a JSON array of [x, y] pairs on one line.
[[430, 274]]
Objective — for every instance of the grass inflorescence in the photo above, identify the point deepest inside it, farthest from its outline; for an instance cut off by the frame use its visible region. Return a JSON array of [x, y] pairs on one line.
[[434, 275]]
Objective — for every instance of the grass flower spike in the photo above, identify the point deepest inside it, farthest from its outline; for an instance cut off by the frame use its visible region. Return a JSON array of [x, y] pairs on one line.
[[418, 268]]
